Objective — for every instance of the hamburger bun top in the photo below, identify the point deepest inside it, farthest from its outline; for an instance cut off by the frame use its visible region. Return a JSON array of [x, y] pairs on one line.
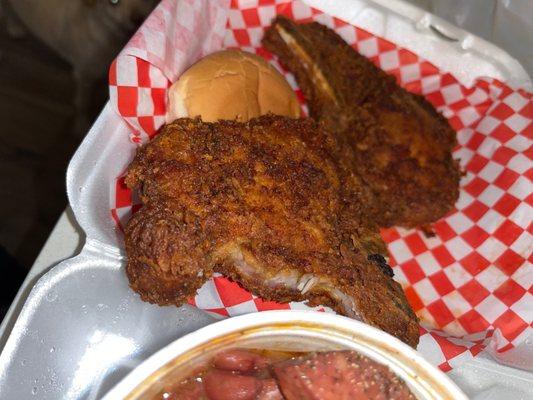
[[231, 84]]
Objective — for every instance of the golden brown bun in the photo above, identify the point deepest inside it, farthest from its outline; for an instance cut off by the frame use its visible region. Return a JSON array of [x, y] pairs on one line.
[[231, 84]]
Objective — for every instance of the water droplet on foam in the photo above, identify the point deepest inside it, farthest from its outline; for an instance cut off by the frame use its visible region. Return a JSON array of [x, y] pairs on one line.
[[51, 296]]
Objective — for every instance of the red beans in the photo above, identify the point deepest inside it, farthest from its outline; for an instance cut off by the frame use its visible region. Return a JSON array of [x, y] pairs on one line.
[[221, 384], [224, 385], [269, 390], [238, 360], [247, 375]]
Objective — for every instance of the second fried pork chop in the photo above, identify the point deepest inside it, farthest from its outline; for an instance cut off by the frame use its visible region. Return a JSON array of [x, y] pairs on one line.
[[402, 146], [267, 203]]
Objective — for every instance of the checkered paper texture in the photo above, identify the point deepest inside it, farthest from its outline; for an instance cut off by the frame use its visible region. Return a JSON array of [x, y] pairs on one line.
[[471, 284]]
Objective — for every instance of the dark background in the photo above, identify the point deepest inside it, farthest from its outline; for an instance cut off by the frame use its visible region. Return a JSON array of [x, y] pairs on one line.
[[37, 140], [43, 113]]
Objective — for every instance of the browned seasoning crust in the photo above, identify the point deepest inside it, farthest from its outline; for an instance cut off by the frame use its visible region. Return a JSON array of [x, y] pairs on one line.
[[402, 145], [267, 203]]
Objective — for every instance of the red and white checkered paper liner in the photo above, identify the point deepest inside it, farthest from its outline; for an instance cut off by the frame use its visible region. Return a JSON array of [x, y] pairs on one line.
[[471, 284]]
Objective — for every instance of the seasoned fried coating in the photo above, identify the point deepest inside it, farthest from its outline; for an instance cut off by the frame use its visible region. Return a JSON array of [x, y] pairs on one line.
[[402, 145], [267, 203]]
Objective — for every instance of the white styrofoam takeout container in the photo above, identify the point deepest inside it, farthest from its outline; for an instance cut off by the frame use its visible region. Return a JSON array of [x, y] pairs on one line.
[[81, 329]]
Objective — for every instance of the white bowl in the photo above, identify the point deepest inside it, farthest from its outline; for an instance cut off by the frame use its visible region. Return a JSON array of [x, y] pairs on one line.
[[288, 331]]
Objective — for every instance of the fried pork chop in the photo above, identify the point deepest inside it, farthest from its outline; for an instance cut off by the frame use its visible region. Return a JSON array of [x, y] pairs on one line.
[[267, 203], [402, 145]]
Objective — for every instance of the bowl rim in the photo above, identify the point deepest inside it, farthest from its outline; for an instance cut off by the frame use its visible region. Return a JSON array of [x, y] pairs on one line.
[[286, 318]]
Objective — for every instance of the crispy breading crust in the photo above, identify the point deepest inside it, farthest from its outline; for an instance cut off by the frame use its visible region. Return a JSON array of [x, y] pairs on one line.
[[402, 146], [260, 202]]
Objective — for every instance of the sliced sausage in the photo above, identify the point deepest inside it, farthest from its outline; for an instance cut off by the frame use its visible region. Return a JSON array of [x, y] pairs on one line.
[[338, 375], [224, 385], [238, 360]]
